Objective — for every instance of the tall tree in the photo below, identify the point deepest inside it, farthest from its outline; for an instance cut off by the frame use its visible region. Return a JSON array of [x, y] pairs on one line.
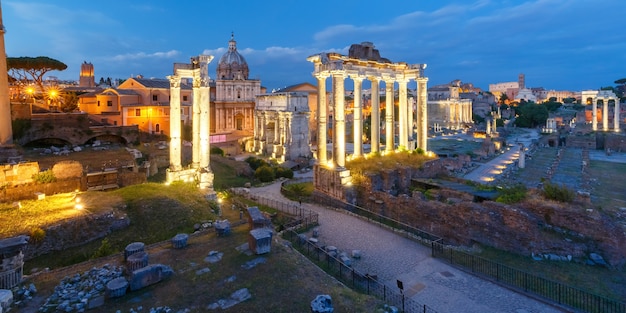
[[35, 68]]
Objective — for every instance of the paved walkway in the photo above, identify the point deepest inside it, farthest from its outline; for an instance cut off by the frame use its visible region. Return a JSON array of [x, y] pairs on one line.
[[393, 257]]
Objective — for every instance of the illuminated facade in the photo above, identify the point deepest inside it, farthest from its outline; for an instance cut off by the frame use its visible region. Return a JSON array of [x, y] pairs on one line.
[[233, 105], [6, 132], [282, 126], [603, 97], [446, 108]]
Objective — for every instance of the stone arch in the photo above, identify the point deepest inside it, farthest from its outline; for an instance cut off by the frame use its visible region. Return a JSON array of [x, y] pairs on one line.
[[107, 138], [47, 142]]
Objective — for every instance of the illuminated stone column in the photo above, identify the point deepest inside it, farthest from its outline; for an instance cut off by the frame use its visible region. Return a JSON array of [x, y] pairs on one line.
[[412, 120], [422, 113], [175, 125], [6, 130], [205, 125], [322, 128], [389, 129], [616, 116], [358, 115], [403, 141], [375, 118], [339, 116], [594, 114], [195, 124], [605, 114]]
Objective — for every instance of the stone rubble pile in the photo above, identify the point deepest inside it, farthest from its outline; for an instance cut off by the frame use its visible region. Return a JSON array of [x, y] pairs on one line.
[[81, 291], [161, 309]]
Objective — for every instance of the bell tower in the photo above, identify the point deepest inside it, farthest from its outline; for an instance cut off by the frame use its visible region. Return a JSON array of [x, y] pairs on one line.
[[87, 78]]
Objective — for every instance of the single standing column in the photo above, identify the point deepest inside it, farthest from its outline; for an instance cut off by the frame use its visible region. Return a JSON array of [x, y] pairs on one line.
[[277, 129], [6, 130], [403, 117], [339, 140], [175, 129], [412, 120], [262, 139], [322, 128], [616, 116], [255, 129], [605, 114], [358, 115], [205, 125], [594, 115], [389, 129], [375, 118], [195, 124], [422, 100]]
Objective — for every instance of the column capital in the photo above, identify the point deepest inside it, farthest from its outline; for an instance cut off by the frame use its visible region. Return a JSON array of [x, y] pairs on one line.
[[336, 73], [374, 78], [321, 75], [174, 81], [357, 77]]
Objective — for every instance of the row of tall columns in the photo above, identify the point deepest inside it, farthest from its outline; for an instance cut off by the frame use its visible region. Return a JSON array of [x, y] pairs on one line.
[[460, 112], [405, 119], [605, 115]]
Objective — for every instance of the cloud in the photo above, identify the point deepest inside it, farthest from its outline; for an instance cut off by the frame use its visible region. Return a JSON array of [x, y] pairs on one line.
[[142, 56]]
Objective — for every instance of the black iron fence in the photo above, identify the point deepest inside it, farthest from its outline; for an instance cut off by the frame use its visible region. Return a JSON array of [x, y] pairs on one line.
[[353, 278], [523, 281]]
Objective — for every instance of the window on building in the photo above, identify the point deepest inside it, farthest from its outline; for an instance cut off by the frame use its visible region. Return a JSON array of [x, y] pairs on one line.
[[155, 97], [115, 123], [109, 103], [137, 112], [98, 102], [238, 94], [158, 128], [184, 98]]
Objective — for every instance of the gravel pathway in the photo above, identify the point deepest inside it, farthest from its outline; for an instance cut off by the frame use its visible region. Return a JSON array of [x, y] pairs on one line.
[[393, 257]]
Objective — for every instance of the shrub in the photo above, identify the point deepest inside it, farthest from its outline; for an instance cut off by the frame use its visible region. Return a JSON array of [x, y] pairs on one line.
[[558, 193], [255, 163], [217, 150], [283, 172], [104, 249], [44, 177], [512, 194], [37, 235], [265, 173]]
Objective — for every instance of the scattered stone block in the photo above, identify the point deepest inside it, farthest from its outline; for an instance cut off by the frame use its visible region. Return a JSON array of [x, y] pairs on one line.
[[322, 304], [316, 232], [95, 302], [356, 254], [117, 287], [136, 261], [6, 299], [260, 240], [256, 219], [597, 259], [301, 238], [313, 240], [253, 263], [180, 241], [40, 195], [149, 275], [222, 228], [345, 260], [203, 271], [133, 248], [214, 257]]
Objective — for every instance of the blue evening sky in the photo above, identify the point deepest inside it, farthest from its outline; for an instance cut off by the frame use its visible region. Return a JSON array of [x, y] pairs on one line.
[[557, 44]]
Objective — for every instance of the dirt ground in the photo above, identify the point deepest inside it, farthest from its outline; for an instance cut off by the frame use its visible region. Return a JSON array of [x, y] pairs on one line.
[[286, 282]]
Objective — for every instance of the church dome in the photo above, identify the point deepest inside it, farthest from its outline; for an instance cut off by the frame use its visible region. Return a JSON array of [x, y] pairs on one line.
[[232, 65]]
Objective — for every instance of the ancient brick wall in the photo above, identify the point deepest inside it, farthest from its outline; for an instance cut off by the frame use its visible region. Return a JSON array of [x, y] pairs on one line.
[[535, 226]]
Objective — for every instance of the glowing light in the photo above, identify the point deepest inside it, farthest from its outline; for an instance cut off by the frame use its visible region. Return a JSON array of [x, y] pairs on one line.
[[78, 206]]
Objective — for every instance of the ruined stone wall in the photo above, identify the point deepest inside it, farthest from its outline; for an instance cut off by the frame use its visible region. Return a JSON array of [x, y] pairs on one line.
[[28, 191], [535, 226], [76, 232], [14, 174]]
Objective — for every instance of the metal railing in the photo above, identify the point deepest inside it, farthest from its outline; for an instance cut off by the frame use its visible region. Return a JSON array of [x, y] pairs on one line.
[[356, 280], [526, 282]]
